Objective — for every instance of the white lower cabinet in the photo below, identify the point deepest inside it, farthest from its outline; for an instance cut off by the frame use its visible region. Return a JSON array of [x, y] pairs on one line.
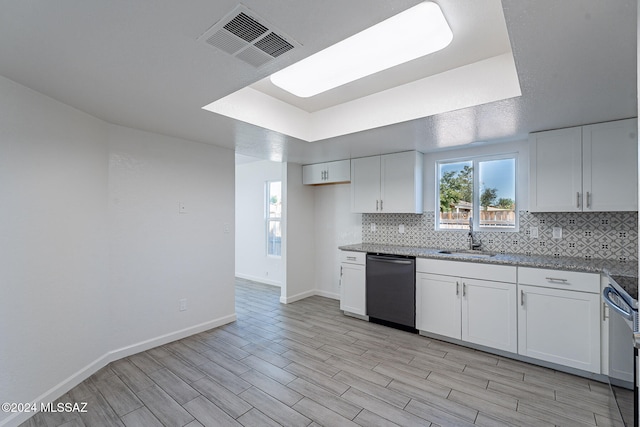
[[488, 314], [477, 311], [438, 305], [559, 326], [353, 283]]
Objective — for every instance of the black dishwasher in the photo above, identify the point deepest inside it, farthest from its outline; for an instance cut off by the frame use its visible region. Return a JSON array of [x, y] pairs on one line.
[[391, 291]]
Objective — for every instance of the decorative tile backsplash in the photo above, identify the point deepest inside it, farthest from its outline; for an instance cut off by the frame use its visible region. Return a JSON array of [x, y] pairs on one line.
[[588, 235]]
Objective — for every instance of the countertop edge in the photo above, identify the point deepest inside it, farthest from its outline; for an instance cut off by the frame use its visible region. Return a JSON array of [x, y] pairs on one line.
[[609, 267]]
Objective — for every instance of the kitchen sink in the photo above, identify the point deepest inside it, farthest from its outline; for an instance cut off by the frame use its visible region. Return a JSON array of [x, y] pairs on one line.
[[467, 253]]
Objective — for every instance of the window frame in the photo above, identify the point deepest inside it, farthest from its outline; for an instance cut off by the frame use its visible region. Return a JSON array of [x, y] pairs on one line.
[[271, 219], [476, 160]]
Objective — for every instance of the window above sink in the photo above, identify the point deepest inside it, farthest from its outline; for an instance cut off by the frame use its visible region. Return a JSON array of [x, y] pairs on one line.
[[482, 189]]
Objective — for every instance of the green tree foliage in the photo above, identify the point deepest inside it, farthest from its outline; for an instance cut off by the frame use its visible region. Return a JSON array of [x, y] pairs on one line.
[[466, 181], [506, 203], [454, 187], [488, 197]]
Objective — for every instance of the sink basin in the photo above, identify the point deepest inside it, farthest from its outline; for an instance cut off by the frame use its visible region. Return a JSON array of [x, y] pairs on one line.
[[467, 253]]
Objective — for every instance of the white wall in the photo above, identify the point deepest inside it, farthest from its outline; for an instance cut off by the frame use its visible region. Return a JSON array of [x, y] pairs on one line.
[[159, 255], [335, 226], [252, 261], [53, 250], [298, 248], [94, 255]]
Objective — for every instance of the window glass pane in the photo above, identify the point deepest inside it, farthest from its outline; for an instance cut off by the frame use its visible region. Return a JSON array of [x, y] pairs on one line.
[[497, 193], [275, 199], [273, 216], [274, 238], [456, 194]]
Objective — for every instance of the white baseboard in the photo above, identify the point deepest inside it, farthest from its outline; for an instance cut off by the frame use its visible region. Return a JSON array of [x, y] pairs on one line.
[[58, 390], [259, 279], [173, 336], [67, 384], [297, 297], [307, 294], [326, 294]]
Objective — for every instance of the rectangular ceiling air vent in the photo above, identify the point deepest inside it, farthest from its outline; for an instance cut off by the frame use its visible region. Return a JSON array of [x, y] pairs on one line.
[[243, 34]]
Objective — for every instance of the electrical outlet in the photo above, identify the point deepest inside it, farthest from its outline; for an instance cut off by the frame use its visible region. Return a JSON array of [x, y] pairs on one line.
[[226, 228], [183, 304], [557, 232], [533, 232], [182, 208], [401, 229], [373, 227]]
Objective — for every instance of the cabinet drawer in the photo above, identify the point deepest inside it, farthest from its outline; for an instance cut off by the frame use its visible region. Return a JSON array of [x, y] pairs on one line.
[[353, 257], [498, 273], [559, 279]]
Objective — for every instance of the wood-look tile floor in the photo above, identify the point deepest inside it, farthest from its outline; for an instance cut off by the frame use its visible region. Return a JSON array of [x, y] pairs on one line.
[[306, 364]]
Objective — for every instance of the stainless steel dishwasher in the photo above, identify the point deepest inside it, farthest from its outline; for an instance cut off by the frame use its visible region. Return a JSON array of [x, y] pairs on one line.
[[391, 291]]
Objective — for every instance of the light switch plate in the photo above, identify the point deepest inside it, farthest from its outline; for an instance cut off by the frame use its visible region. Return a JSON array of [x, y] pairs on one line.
[[557, 232]]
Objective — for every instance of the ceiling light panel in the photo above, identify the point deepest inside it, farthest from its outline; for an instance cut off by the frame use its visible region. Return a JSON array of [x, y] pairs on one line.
[[411, 34]]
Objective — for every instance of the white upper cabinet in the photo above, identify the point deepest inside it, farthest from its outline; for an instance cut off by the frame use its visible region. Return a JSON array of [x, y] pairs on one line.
[[326, 173], [556, 170], [365, 184], [610, 166], [585, 169], [391, 183]]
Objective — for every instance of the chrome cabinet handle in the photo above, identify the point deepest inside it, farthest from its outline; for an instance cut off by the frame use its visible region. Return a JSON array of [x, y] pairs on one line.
[[578, 199], [464, 289], [588, 200], [521, 297], [555, 279], [377, 201], [340, 271], [604, 311], [380, 204], [351, 258], [457, 288]]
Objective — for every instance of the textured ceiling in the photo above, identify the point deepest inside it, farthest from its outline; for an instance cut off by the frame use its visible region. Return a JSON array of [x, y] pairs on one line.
[[138, 63]]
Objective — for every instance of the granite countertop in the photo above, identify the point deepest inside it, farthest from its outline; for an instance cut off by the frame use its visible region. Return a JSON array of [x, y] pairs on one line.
[[625, 272]]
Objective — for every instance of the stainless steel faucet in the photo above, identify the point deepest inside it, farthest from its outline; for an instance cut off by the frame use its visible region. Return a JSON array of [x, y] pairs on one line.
[[473, 246]]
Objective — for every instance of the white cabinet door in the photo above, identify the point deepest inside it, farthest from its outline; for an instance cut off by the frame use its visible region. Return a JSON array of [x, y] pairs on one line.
[[559, 326], [401, 183], [313, 174], [365, 184], [556, 171], [339, 171], [353, 288], [610, 166], [489, 314], [438, 304]]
